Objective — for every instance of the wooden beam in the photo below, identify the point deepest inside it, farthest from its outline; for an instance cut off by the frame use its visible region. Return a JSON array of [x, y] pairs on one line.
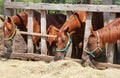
[[68, 7], [8, 12], [108, 17], [87, 30], [35, 34], [69, 53], [30, 30], [118, 51], [43, 31], [46, 58]]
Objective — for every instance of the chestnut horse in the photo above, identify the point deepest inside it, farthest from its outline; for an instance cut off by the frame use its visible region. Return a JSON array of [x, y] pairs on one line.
[[10, 24], [52, 30], [71, 31], [97, 39]]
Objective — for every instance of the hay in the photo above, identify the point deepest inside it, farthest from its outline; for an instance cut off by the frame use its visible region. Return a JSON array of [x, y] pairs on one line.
[[59, 69]]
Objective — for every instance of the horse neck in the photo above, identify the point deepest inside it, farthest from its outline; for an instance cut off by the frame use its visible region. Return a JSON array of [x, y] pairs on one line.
[[111, 32], [20, 20]]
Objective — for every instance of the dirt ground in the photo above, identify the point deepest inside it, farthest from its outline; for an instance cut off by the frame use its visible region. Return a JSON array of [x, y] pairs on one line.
[[39, 69]]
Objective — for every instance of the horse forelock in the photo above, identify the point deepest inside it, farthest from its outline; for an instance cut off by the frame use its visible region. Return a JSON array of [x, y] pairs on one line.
[[111, 32]]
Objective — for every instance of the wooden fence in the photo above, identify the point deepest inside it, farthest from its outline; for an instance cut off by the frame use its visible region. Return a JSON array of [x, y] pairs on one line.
[[43, 7]]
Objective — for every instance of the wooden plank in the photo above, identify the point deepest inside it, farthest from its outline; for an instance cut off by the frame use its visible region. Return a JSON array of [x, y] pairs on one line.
[[42, 57], [69, 7], [108, 17], [68, 13], [9, 12], [118, 51], [30, 30], [109, 47], [69, 53], [36, 34], [87, 30], [43, 31]]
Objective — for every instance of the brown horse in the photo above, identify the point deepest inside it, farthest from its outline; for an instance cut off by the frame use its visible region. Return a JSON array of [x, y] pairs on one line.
[[10, 24], [97, 39], [52, 30], [71, 31]]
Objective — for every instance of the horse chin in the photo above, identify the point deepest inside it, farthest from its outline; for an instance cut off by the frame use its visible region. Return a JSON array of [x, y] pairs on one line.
[[59, 56]]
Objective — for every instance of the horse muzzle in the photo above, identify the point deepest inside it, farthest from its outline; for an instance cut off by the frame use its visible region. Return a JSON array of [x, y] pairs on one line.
[[59, 56]]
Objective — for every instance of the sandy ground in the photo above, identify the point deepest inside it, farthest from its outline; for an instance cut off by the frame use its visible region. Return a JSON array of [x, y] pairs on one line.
[[59, 69]]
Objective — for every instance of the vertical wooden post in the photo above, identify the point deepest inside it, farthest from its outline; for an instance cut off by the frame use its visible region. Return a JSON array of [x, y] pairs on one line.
[[109, 47], [9, 12], [43, 31], [68, 13], [87, 29], [70, 47], [118, 51], [30, 30]]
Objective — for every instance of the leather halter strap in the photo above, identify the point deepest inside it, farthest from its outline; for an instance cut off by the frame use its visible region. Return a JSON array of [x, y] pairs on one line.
[[98, 47]]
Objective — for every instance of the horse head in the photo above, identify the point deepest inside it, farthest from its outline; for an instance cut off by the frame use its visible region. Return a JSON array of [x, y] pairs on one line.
[[63, 41], [52, 30], [9, 29], [93, 46]]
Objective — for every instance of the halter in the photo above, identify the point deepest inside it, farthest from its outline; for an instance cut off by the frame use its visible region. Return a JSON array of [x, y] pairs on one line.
[[12, 36], [98, 47], [68, 43]]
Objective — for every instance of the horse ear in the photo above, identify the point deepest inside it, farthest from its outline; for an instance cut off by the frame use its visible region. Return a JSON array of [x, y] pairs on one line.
[[9, 19], [2, 18]]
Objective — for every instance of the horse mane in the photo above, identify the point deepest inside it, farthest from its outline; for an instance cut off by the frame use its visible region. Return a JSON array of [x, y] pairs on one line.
[[22, 23], [111, 32]]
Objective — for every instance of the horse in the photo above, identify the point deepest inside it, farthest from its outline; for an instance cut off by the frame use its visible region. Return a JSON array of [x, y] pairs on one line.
[[52, 30], [10, 24], [97, 39], [71, 31]]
